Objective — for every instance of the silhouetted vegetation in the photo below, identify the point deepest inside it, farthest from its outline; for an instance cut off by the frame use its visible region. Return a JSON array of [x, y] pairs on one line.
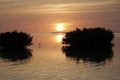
[[15, 55], [88, 37], [89, 45], [14, 40], [13, 45]]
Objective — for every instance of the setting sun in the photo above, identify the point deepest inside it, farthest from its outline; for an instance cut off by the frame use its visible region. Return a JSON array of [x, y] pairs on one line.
[[60, 27]]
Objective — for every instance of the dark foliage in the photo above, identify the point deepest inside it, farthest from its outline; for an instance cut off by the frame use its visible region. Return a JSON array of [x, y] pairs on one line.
[[89, 45], [15, 55], [14, 40], [88, 37], [95, 55], [13, 45]]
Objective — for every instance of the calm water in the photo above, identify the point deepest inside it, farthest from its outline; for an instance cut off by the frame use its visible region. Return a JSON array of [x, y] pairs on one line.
[[50, 63]]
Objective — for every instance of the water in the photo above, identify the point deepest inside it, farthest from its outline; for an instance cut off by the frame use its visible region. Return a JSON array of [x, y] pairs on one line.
[[48, 62]]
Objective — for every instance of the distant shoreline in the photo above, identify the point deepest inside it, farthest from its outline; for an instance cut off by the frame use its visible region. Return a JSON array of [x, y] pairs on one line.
[[46, 33]]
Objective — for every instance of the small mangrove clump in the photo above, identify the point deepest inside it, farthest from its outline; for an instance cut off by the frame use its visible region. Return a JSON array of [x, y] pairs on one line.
[[88, 37], [92, 45], [15, 40]]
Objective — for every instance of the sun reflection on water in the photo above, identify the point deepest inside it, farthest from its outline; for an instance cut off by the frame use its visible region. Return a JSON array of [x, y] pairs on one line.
[[59, 37]]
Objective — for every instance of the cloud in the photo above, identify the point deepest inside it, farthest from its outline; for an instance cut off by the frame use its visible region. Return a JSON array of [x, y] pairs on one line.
[[37, 7]]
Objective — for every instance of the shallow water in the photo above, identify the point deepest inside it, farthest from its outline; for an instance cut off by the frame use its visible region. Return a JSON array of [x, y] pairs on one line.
[[50, 63]]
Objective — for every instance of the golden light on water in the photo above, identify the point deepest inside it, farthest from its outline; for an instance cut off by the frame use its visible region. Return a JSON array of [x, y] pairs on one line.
[[59, 37]]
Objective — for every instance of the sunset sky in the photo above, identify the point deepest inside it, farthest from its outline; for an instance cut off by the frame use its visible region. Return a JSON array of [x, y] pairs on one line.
[[43, 15]]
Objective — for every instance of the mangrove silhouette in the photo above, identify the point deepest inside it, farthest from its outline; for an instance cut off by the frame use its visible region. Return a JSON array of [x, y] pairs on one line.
[[88, 37], [14, 45], [94, 55], [15, 55], [89, 45], [15, 40]]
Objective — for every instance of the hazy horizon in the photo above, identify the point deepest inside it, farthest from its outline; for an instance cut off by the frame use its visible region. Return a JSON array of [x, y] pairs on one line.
[[41, 16]]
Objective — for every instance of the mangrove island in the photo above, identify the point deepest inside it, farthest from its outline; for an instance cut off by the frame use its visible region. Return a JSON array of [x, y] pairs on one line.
[[14, 45], [88, 37], [89, 45]]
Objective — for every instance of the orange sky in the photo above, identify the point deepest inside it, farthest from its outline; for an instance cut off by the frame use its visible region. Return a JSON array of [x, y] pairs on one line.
[[40, 16]]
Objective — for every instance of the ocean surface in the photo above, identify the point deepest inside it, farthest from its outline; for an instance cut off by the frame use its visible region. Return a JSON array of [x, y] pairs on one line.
[[50, 62]]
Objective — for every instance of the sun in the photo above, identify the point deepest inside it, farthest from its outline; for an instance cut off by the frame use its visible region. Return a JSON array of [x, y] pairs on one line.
[[60, 27]]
